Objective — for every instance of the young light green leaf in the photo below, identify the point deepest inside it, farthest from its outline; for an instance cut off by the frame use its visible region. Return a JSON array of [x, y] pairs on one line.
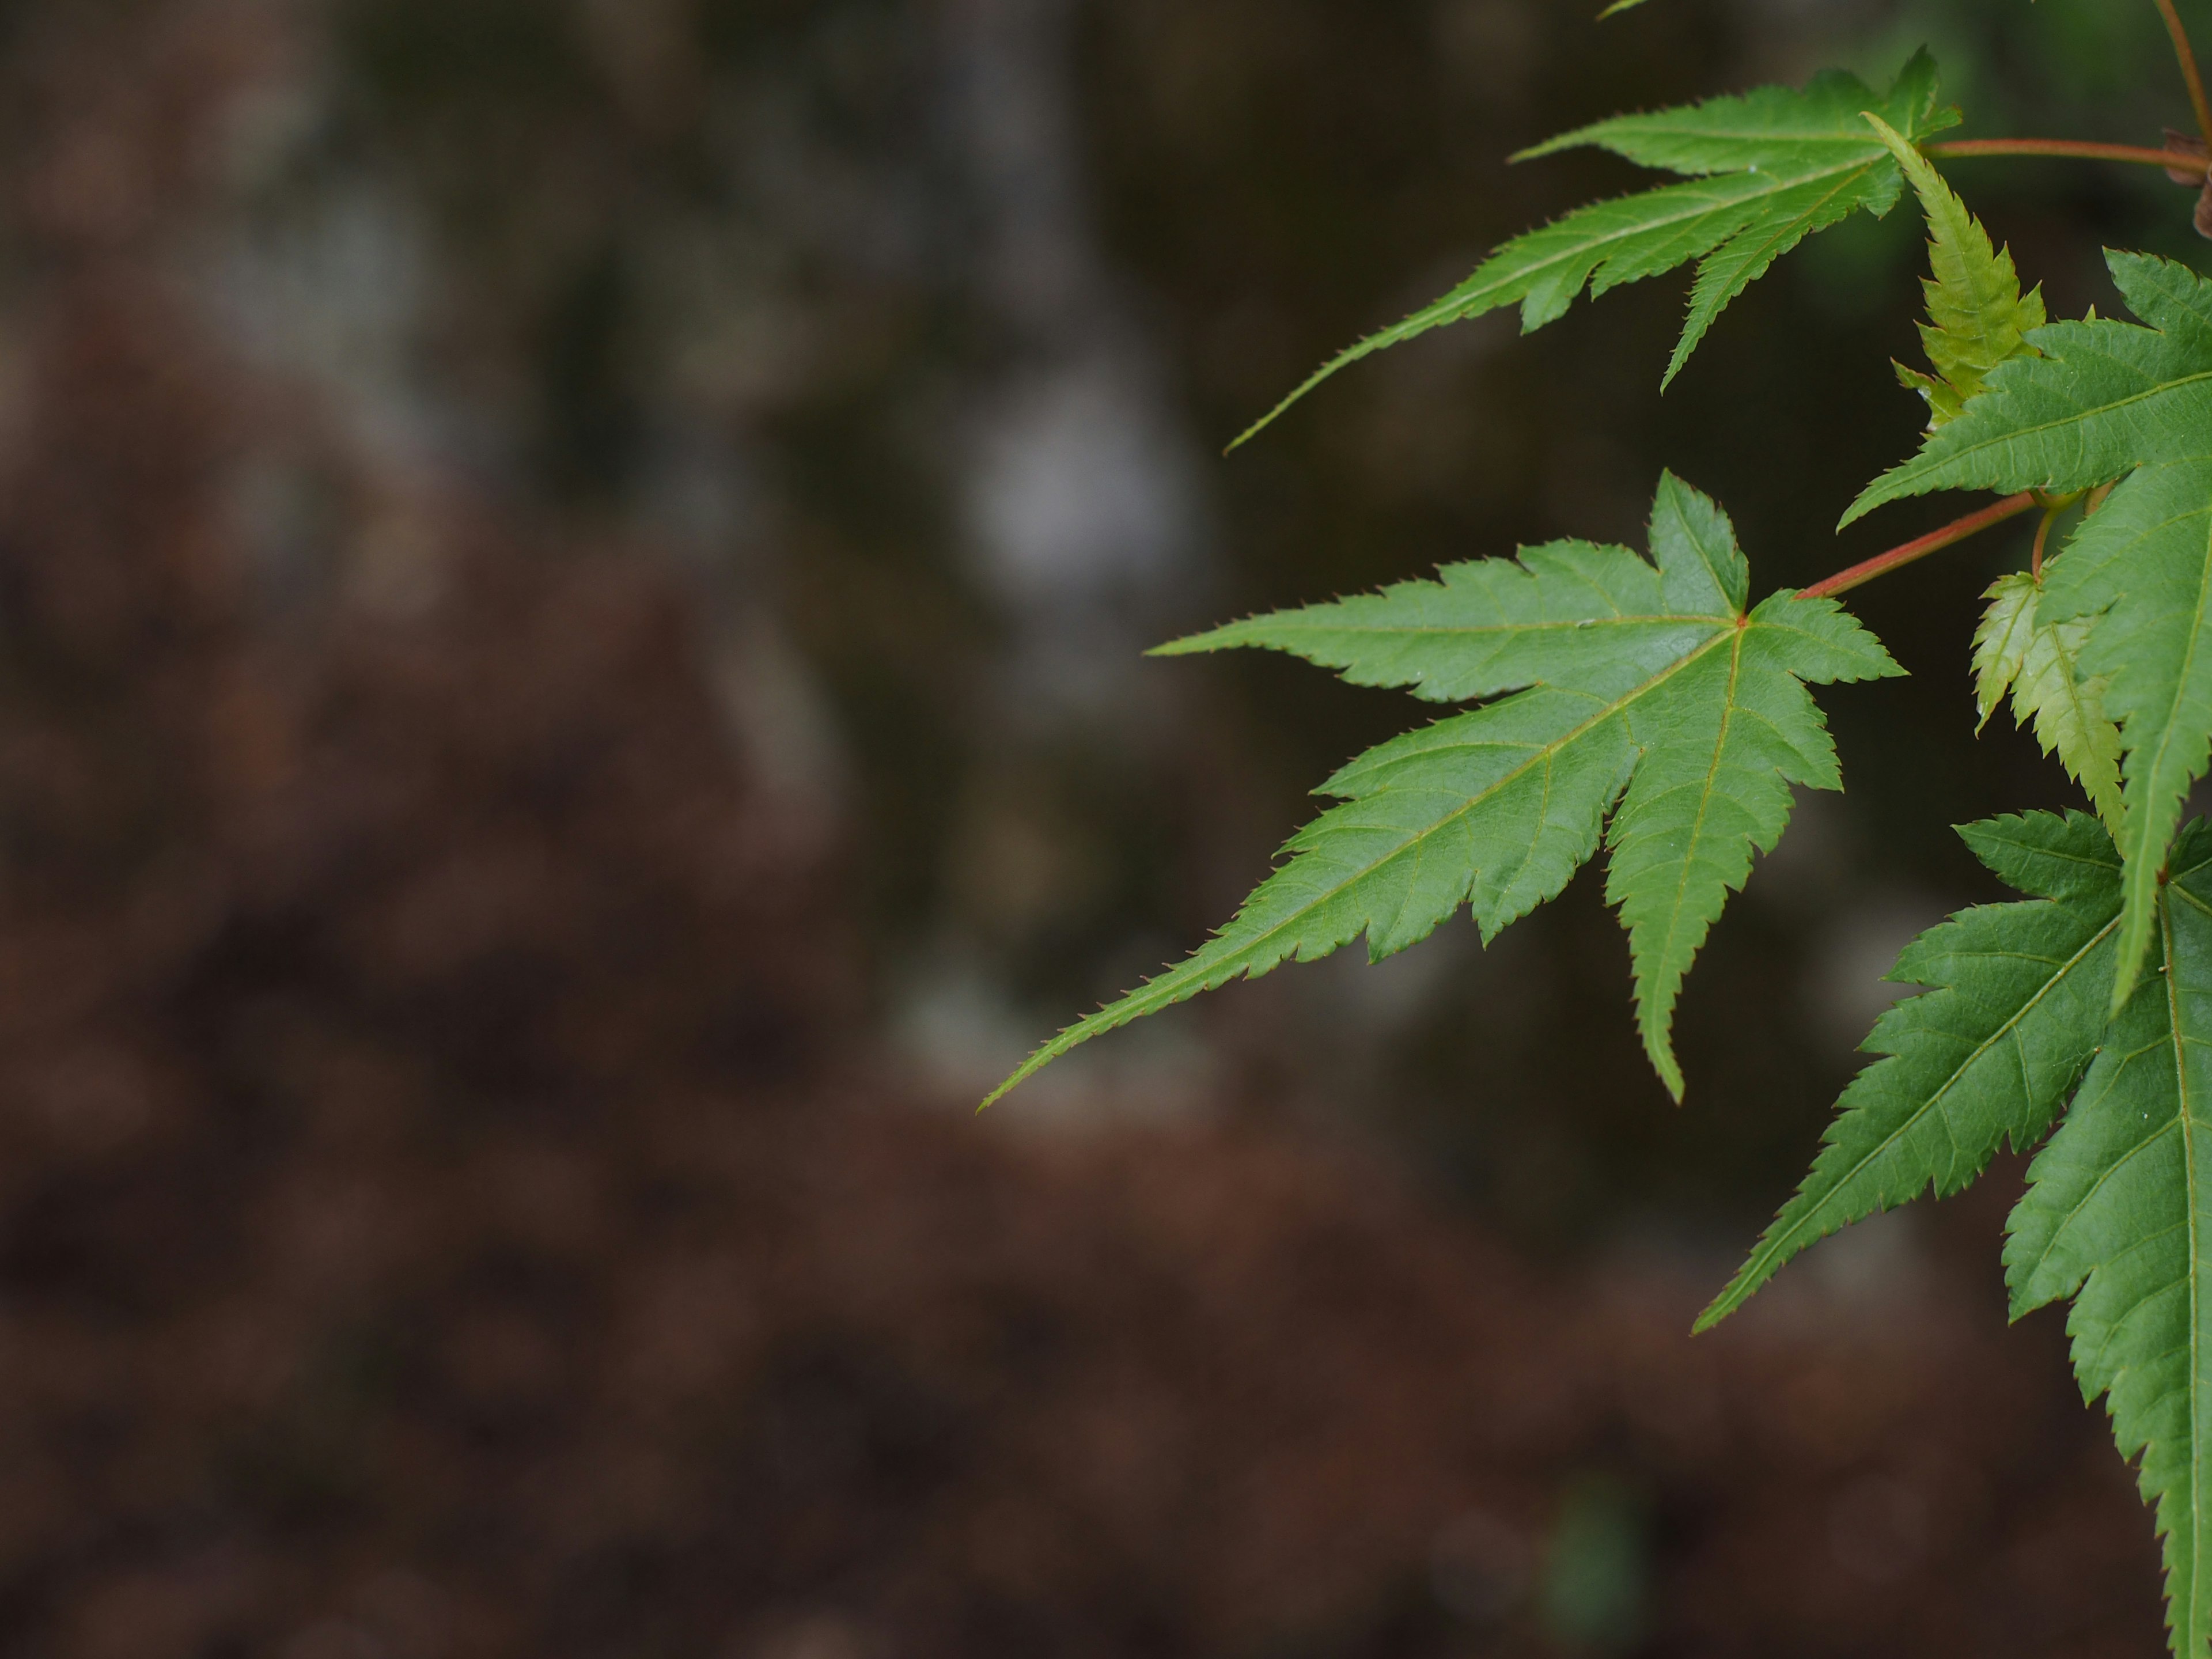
[[1646, 684], [1766, 169], [2119, 1216], [2015, 1008], [2037, 661], [1978, 316], [2105, 399], [2001, 643]]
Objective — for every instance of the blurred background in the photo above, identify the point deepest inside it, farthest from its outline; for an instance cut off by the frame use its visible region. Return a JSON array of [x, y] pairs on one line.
[[573, 575]]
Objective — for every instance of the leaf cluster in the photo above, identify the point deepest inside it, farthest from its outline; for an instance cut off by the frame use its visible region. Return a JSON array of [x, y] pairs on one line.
[[1644, 706], [2016, 1031]]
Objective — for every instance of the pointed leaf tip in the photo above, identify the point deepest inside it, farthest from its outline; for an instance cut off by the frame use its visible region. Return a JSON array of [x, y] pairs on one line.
[[2013, 1012]]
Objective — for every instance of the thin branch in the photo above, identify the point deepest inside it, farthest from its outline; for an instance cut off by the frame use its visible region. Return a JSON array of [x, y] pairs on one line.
[[2174, 160], [1933, 541], [2187, 55]]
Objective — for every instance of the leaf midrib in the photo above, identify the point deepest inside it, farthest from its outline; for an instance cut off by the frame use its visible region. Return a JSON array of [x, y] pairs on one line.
[[1615, 136], [2138, 864], [1790, 224], [1543, 756], [2017, 433], [1198, 967], [1581, 247], [1582, 624], [1713, 136], [2196, 1393], [1704, 806]]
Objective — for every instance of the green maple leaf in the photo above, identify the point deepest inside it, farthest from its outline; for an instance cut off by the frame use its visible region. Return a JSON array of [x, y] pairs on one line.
[[2119, 1216], [2037, 661], [2109, 401], [1647, 686], [1977, 315], [2016, 1009], [1765, 170]]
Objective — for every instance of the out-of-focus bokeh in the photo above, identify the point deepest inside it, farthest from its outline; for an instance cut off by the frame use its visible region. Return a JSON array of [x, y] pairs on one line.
[[573, 579]]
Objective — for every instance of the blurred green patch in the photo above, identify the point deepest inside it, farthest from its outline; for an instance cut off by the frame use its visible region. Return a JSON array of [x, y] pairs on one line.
[[1597, 1568]]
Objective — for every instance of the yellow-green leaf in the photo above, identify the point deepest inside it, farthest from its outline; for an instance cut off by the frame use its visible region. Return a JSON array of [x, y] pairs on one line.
[[1978, 316], [2039, 662]]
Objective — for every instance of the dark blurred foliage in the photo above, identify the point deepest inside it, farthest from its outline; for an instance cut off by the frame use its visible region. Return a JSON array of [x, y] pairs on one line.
[[571, 576]]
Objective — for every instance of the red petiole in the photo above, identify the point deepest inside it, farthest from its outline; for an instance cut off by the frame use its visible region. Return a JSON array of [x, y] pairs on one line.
[[2186, 55], [1933, 541], [2174, 160]]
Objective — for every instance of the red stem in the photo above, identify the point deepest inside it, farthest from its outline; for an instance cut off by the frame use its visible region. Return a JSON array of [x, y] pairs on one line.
[[2187, 57], [1933, 541], [2178, 160]]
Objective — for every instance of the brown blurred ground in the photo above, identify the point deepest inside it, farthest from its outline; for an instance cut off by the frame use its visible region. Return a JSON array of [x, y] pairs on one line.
[[454, 1201]]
